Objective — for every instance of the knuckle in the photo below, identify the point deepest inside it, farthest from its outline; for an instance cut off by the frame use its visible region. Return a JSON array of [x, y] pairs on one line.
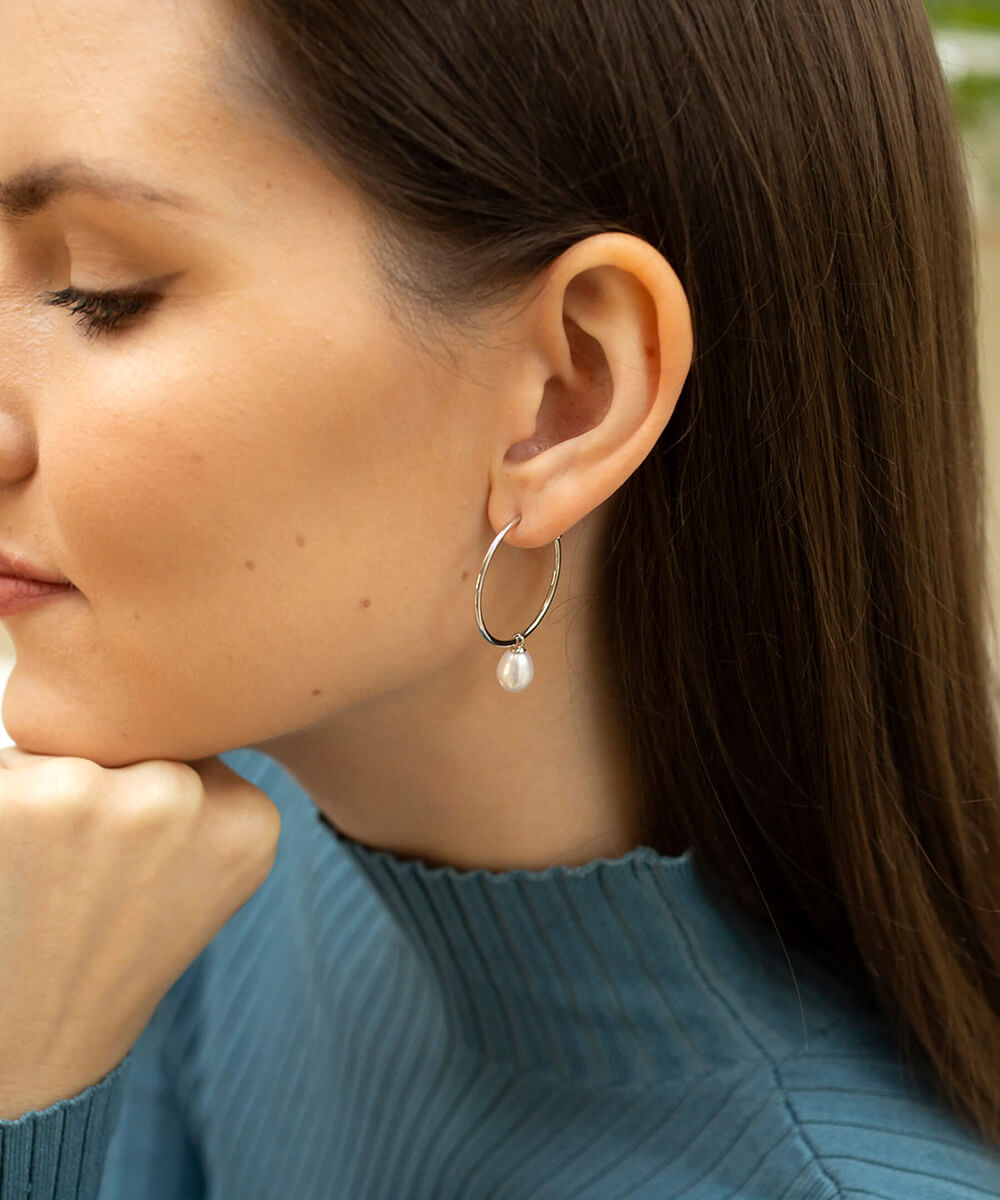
[[60, 788], [160, 793], [50, 804], [70, 778]]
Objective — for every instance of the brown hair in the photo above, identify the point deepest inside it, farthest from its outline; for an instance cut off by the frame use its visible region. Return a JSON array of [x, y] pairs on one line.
[[795, 577]]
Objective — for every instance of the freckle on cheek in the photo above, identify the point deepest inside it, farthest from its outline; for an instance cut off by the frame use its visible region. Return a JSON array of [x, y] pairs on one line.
[[317, 692], [465, 574], [365, 603], [136, 615], [300, 540], [251, 566]]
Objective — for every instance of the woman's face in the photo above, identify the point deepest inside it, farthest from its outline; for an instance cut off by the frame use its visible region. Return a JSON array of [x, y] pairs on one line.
[[271, 503]]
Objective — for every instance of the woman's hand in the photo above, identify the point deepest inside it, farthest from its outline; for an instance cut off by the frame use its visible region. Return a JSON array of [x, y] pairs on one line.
[[112, 881]]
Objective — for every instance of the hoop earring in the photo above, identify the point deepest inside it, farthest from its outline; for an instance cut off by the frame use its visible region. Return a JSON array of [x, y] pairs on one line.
[[515, 669]]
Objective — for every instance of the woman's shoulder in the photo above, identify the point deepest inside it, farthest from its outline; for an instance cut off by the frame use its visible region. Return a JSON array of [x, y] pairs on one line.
[[876, 1125]]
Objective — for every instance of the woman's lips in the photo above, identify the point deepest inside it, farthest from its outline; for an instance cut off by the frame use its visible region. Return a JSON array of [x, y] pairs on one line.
[[17, 594]]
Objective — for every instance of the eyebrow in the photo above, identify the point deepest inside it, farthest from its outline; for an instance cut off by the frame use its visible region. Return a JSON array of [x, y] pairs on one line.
[[31, 190]]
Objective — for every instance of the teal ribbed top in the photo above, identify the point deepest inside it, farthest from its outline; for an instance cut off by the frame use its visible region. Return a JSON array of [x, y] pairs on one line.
[[372, 1028]]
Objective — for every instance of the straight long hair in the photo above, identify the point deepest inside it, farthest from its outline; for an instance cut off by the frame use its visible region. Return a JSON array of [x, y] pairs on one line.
[[795, 578]]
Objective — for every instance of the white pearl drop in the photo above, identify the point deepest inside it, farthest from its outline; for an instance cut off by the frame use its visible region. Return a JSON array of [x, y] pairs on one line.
[[515, 670]]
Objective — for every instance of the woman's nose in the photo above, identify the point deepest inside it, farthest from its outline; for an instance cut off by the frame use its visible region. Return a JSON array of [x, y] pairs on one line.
[[25, 365]]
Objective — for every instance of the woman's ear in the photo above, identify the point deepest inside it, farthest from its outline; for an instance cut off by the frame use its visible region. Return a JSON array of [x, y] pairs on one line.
[[613, 341]]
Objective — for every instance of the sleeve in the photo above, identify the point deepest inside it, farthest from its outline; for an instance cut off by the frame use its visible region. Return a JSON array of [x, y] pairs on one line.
[[122, 1138], [58, 1153]]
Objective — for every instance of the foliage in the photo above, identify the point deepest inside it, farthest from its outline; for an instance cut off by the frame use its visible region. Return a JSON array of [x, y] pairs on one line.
[[976, 97], [968, 14]]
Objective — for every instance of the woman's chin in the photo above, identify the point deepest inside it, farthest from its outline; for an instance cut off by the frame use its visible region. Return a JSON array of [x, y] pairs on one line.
[[39, 719]]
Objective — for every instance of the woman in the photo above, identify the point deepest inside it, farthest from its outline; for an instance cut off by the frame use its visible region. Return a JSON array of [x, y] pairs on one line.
[[620, 353]]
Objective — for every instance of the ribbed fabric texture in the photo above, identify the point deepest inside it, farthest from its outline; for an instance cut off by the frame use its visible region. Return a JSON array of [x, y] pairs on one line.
[[370, 1028]]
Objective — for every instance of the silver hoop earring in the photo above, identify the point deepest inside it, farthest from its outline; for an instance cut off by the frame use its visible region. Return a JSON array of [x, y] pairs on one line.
[[515, 669]]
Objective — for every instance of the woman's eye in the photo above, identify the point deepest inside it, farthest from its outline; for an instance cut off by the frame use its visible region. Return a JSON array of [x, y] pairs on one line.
[[102, 312]]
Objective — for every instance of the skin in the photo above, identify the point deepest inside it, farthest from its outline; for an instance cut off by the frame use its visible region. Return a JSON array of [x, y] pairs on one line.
[[273, 502]]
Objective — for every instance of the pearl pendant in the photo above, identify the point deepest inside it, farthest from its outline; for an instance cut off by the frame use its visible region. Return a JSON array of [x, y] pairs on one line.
[[515, 669]]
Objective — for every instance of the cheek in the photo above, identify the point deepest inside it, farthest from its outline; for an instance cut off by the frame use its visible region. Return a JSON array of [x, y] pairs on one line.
[[199, 458], [258, 523]]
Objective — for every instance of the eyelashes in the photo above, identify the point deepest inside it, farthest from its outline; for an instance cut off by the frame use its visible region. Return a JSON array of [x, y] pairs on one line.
[[102, 312]]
